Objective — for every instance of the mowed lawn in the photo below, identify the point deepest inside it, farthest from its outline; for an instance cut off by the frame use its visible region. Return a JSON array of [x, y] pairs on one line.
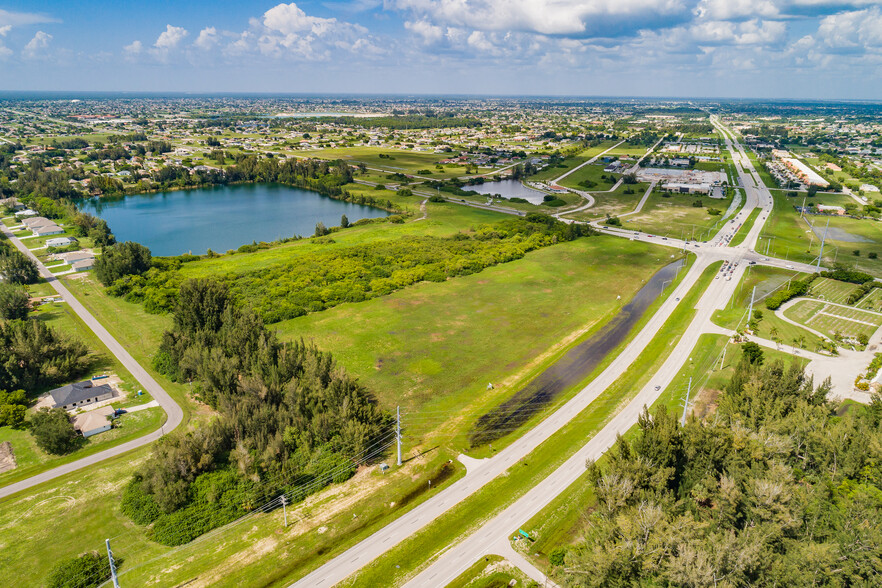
[[794, 240], [398, 160], [436, 346], [676, 216], [831, 319]]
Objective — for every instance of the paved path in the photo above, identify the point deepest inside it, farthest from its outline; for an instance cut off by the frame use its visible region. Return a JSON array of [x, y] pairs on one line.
[[171, 408], [643, 200]]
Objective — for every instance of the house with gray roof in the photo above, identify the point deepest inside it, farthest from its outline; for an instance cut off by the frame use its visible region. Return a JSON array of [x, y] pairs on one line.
[[79, 394]]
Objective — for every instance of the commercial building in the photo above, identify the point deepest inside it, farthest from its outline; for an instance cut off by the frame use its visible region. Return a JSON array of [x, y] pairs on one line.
[[805, 174]]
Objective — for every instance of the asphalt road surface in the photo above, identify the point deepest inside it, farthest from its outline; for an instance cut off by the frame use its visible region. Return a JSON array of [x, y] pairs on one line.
[[171, 408]]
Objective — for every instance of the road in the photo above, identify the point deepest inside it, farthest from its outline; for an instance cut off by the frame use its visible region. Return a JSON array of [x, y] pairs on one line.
[[456, 559], [174, 412]]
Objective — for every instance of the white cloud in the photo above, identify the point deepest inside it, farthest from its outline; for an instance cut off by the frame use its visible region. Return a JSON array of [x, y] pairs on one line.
[[290, 19], [477, 40], [550, 17], [852, 30], [134, 48], [170, 38], [207, 39], [4, 30], [429, 32], [733, 9], [17, 19], [38, 46]]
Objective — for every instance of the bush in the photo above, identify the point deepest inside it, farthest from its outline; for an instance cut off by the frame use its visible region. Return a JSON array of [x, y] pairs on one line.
[[13, 408], [13, 302], [120, 260], [436, 198], [86, 571], [138, 505], [53, 431], [558, 556], [872, 255]]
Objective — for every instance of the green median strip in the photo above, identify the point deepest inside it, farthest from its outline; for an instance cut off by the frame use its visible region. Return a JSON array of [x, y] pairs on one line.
[[402, 561], [739, 237]]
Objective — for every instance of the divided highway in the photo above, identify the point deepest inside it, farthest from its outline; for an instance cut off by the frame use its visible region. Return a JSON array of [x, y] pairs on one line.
[[492, 537]]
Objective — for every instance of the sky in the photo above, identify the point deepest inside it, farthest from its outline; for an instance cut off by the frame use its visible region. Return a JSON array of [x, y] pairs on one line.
[[792, 49]]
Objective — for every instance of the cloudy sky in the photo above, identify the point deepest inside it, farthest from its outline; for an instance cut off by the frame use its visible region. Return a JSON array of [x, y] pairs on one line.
[[700, 48]]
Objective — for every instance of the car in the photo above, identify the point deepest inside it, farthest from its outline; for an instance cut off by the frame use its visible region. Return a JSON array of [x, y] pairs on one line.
[[789, 267], [657, 388], [664, 238], [751, 263]]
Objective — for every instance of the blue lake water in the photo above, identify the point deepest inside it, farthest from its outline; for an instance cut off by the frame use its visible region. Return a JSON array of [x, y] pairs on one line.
[[222, 217], [508, 189]]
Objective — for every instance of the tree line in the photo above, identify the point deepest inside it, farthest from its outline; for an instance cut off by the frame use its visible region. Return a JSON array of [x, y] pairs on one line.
[[777, 488], [287, 415]]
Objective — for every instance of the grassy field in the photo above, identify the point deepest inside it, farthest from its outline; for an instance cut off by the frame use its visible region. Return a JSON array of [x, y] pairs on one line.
[[399, 160], [30, 459], [676, 216], [248, 546], [831, 320], [435, 346], [832, 290], [411, 555], [623, 199], [766, 280], [793, 237], [591, 177]]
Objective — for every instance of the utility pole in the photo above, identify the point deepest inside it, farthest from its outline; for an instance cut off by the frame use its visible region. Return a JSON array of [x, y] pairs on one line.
[[112, 565], [686, 404], [285, 508], [824, 238], [750, 311], [398, 431]]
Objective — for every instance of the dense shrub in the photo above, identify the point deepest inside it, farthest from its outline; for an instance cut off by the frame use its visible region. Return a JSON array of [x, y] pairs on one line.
[[89, 570], [53, 431], [13, 408], [33, 355], [17, 268], [797, 288], [847, 275], [120, 260], [14, 302]]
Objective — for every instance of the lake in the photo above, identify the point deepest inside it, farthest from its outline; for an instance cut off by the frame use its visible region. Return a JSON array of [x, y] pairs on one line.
[[508, 189], [222, 217]]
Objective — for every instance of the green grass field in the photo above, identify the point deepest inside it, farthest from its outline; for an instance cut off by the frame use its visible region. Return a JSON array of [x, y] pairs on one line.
[[677, 217], [793, 238], [411, 555], [30, 459], [832, 290], [591, 178], [436, 346], [404, 161], [831, 319], [766, 280]]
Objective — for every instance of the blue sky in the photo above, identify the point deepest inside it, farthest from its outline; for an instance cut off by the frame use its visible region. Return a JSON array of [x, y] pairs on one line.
[[701, 48]]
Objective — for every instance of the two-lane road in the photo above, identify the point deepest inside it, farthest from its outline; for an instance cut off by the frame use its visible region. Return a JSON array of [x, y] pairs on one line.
[[174, 412]]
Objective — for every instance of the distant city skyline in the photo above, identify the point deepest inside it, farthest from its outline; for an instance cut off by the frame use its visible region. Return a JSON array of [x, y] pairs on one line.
[[812, 49]]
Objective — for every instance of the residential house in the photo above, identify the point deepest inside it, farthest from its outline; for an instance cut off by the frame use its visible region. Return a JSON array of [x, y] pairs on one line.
[[94, 421], [79, 394]]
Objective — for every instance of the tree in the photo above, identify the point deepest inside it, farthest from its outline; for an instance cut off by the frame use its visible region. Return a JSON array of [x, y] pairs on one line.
[[752, 352], [13, 408], [53, 431], [120, 260], [14, 302], [321, 230], [344, 222], [17, 268], [89, 570], [33, 355]]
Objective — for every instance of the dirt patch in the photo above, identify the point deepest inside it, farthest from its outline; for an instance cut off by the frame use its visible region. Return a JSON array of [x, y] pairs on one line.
[[7, 457], [706, 402]]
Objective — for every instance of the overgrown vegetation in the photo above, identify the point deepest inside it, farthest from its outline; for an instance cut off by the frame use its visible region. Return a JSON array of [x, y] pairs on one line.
[[33, 356], [290, 420], [325, 279], [797, 288], [774, 490]]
